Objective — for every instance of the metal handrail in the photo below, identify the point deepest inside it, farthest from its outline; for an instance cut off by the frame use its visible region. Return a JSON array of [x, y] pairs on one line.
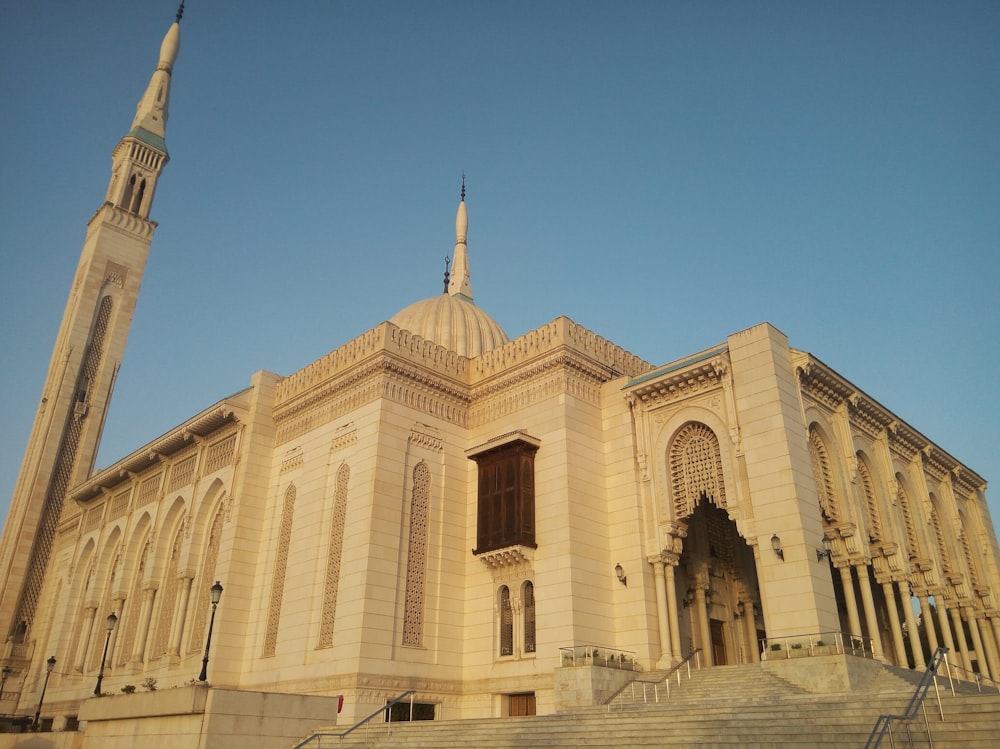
[[883, 725], [685, 661], [363, 722], [976, 677]]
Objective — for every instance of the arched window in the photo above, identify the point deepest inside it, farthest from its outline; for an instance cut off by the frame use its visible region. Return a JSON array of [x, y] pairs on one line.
[[506, 622], [528, 596]]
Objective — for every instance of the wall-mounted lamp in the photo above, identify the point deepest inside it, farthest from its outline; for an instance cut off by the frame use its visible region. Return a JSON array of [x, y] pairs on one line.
[[776, 545], [620, 574], [826, 551]]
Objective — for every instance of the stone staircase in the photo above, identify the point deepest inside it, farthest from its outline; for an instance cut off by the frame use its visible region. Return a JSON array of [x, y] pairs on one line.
[[728, 706]]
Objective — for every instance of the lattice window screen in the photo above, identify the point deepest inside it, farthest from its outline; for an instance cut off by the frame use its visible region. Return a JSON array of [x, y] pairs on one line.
[[334, 557], [696, 469], [280, 568], [416, 558]]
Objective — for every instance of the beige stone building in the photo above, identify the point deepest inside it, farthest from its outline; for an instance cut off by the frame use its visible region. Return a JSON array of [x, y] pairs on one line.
[[433, 506]]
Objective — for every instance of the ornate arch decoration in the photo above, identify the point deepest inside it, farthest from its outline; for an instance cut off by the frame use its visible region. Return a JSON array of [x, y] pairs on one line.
[[823, 474], [939, 537], [909, 526], [204, 511], [137, 560], [206, 575], [971, 557], [167, 595], [695, 461], [867, 481]]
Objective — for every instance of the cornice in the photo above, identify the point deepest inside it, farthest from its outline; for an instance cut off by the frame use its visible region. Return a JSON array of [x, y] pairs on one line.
[[820, 382], [682, 380], [176, 443], [128, 223]]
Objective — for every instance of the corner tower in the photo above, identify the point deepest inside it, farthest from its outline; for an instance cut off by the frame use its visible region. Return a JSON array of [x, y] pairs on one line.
[[88, 351]]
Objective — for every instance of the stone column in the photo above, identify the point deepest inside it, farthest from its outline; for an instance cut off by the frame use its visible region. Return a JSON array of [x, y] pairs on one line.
[[662, 616], [139, 646], [869, 603], [85, 633], [963, 645], [847, 583], [919, 661], [701, 606], [750, 623], [994, 623], [983, 622], [672, 615], [942, 611], [180, 614], [894, 627], [928, 619], [977, 642]]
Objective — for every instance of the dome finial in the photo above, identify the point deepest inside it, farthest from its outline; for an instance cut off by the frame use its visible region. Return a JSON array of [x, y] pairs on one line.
[[463, 187], [447, 275], [180, 12]]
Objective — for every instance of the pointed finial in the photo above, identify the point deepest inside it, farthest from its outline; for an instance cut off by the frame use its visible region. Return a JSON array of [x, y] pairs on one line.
[[463, 187], [180, 12], [447, 275]]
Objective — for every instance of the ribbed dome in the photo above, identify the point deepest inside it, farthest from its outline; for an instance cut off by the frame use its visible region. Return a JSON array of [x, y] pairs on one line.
[[452, 322]]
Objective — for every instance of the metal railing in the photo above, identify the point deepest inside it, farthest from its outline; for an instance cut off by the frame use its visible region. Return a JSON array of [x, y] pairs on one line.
[[318, 736], [597, 655], [818, 643], [654, 688], [883, 725], [974, 677]]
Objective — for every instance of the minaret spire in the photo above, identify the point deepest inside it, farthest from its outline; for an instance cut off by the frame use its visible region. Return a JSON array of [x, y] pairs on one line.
[[151, 112], [88, 351], [460, 284]]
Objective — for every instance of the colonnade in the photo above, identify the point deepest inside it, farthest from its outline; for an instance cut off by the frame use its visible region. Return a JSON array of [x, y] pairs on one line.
[[954, 617]]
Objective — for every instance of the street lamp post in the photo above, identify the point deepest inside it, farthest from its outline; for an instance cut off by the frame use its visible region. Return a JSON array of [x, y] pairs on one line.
[[111, 622], [216, 591], [48, 672], [3, 682]]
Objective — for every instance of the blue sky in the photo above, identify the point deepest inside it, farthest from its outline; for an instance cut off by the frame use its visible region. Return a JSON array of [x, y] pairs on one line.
[[664, 173]]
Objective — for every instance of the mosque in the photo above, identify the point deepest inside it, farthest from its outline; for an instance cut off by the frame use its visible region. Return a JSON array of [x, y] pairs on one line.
[[433, 506]]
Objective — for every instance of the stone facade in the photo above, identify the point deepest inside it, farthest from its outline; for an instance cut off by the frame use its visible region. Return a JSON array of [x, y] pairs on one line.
[[404, 515]]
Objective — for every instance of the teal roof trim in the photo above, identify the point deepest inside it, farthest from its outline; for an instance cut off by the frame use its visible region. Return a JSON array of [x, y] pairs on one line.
[[140, 133], [678, 365]]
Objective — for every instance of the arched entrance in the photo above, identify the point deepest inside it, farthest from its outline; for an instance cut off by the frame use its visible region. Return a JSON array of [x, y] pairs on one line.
[[717, 585]]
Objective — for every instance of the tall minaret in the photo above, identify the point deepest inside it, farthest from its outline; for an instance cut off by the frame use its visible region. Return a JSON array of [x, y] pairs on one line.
[[88, 351]]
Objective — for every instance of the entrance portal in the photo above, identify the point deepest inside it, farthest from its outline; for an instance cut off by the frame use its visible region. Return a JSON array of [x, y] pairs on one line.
[[717, 580]]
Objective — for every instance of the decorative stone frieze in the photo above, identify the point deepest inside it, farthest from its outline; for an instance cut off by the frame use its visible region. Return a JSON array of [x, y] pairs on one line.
[[345, 436], [427, 437]]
